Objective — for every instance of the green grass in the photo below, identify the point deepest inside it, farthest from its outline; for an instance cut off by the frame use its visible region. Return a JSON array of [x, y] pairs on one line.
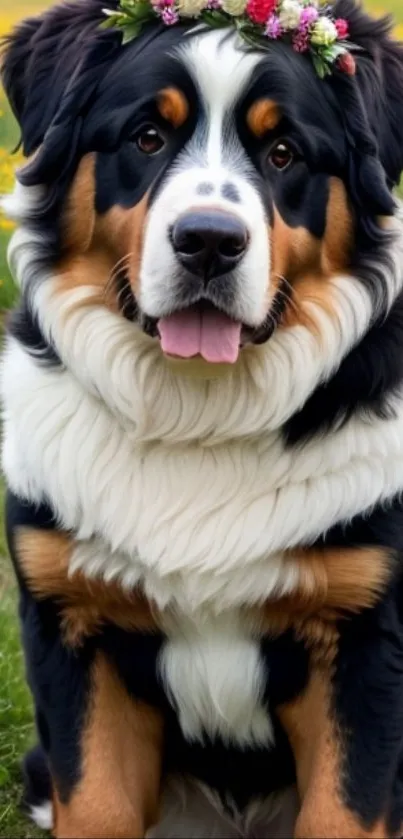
[[8, 140], [7, 289], [16, 729], [15, 720]]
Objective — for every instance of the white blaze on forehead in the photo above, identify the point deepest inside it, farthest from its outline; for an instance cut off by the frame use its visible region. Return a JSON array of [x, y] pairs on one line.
[[221, 69]]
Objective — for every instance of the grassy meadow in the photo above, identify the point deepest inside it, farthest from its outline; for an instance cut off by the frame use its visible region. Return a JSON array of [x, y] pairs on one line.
[[15, 708]]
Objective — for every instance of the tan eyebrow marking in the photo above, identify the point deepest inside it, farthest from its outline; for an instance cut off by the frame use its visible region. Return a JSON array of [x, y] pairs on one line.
[[263, 116], [173, 106]]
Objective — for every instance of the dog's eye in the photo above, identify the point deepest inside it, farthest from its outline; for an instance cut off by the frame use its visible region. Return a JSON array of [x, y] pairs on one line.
[[149, 140], [281, 155]]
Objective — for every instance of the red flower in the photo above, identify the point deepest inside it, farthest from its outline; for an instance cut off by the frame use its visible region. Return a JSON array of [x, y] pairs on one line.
[[260, 10], [342, 28], [346, 63]]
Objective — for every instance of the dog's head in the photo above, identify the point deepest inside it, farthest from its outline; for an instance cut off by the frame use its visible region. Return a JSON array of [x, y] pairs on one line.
[[211, 189]]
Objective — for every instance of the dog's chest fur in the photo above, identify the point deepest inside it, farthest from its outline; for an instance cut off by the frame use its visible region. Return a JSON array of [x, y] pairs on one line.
[[202, 525]]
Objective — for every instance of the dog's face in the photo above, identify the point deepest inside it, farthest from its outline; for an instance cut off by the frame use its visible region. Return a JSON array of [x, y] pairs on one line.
[[235, 188], [214, 189]]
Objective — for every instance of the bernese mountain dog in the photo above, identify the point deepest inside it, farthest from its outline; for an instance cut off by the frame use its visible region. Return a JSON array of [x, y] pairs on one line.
[[202, 393]]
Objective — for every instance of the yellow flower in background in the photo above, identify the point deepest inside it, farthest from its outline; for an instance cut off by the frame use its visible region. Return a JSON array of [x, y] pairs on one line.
[[6, 224], [8, 164], [17, 11]]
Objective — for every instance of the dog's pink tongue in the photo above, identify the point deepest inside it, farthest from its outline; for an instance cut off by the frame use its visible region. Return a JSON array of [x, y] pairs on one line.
[[210, 334]]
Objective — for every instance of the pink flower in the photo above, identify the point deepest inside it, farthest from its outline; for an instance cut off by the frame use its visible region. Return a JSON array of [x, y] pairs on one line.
[[273, 27], [213, 5], [346, 63], [342, 28], [260, 10], [309, 15], [169, 16], [300, 41]]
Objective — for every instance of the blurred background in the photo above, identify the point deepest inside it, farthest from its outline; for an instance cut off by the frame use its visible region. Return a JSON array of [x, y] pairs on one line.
[[16, 728]]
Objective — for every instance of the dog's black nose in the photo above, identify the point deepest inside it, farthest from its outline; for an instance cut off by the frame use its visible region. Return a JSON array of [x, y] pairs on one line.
[[209, 243]]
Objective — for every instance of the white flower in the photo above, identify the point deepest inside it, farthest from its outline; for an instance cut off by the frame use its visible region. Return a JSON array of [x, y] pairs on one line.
[[191, 8], [324, 33], [290, 13], [234, 7]]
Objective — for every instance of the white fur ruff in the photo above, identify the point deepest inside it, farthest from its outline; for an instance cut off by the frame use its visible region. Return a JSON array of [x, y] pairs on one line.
[[186, 486]]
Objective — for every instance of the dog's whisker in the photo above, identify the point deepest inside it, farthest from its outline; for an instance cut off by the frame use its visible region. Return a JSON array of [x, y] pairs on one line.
[[118, 269], [288, 293]]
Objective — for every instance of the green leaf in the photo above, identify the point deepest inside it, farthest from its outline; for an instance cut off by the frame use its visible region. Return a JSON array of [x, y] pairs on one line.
[[250, 40], [109, 23], [133, 15], [142, 9], [320, 66], [242, 26], [338, 51], [128, 5], [130, 32], [214, 18], [327, 54]]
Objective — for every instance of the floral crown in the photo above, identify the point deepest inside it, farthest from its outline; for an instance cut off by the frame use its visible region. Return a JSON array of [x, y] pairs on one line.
[[307, 25]]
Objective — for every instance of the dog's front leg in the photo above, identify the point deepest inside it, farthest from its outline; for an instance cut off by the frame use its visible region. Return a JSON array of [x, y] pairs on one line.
[[346, 728], [104, 748], [341, 798], [117, 793]]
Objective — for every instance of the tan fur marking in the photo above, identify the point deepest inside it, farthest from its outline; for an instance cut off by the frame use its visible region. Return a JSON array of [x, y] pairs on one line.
[[333, 583], [346, 579], [116, 246], [91, 269], [79, 213], [263, 116], [122, 746], [120, 234], [114, 230], [85, 605], [295, 251], [173, 106], [316, 745], [308, 295], [339, 232], [139, 226], [296, 260], [308, 264]]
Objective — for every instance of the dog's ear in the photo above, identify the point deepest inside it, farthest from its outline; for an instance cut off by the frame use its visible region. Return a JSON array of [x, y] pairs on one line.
[[379, 75], [50, 67]]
